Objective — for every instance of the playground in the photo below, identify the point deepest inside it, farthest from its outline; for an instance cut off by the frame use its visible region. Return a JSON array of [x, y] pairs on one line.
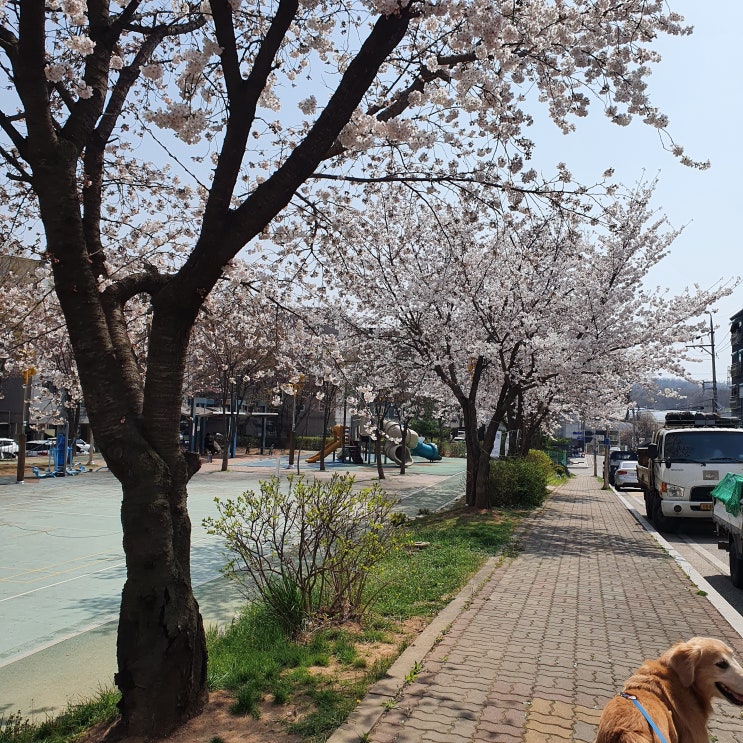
[[357, 455], [357, 447], [58, 457]]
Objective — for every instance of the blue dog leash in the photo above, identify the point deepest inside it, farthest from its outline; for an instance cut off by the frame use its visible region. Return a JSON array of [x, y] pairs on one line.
[[637, 704]]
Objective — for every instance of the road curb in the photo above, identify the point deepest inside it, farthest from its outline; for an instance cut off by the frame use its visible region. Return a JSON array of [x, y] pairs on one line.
[[731, 616], [371, 708]]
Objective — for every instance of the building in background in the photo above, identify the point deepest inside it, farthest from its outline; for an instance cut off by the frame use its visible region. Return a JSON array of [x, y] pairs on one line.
[[736, 363]]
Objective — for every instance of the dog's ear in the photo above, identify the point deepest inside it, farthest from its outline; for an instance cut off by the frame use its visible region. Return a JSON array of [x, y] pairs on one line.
[[683, 658]]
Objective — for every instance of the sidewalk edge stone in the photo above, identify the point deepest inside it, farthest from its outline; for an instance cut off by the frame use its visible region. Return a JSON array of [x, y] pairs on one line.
[[370, 709]]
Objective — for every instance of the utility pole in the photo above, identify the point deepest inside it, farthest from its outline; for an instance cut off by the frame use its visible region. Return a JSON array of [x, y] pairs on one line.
[[710, 349], [714, 374]]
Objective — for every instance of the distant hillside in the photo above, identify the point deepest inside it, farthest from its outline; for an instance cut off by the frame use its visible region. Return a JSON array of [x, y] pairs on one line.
[[671, 393]]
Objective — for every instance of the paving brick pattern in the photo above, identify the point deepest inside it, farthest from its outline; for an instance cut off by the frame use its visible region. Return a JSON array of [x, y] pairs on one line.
[[556, 630]]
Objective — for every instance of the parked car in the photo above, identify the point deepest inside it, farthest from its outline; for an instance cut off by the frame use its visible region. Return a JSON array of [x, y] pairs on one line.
[[625, 476], [616, 459], [83, 447], [39, 447], [8, 449]]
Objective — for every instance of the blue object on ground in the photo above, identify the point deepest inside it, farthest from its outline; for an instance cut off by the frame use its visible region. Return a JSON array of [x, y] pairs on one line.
[[427, 451], [42, 473]]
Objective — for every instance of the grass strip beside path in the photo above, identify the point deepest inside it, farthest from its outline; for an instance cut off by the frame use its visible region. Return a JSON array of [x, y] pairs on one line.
[[318, 679]]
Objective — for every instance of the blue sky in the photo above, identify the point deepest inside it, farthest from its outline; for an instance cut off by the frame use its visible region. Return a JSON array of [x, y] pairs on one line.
[[698, 85]]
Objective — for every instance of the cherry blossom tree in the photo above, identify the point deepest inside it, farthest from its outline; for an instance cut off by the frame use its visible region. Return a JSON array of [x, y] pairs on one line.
[[513, 309], [144, 149], [392, 388], [220, 360], [18, 299]]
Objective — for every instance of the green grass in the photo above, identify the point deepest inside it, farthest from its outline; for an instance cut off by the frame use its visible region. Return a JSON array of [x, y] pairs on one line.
[[76, 718], [255, 654], [254, 657], [422, 582]]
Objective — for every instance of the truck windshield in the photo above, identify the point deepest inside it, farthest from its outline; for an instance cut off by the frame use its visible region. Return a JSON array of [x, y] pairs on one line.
[[704, 446]]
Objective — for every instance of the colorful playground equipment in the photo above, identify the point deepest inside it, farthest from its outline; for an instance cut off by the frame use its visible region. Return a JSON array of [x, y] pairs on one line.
[[394, 447], [335, 443]]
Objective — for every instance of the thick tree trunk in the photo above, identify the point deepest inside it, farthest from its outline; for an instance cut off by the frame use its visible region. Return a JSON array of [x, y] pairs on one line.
[[483, 465], [161, 648], [473, 454]]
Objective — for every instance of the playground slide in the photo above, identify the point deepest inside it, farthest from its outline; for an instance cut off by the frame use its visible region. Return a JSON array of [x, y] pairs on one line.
[[396, 452], [427, 451], [396, 449], [335, 443]]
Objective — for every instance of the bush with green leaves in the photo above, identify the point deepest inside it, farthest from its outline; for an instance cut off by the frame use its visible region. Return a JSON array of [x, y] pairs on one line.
[[454, 449], [542, 460], [307, 549], [516, 483], [311, 443]]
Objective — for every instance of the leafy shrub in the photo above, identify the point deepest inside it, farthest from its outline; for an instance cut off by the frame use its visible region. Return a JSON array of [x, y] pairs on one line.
[[516, 483], [307, 551], [428, 427], [454, 449], [311, 443], [248, 442], [562, 471], [542, 460]]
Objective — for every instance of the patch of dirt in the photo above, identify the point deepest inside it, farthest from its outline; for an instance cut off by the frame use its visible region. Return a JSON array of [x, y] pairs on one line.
[[217, 723]]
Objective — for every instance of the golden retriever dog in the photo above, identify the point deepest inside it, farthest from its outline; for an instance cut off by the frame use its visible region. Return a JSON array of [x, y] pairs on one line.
[[676, 691]]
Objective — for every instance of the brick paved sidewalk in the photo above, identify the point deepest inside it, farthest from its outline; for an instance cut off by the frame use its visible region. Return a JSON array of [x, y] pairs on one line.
[[554, 632]]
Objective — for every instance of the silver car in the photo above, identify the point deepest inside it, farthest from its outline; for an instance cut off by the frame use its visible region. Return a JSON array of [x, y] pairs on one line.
[[626, 476]]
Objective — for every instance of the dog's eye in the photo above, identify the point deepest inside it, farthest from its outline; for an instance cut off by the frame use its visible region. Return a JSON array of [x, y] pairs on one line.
[[722, 664]]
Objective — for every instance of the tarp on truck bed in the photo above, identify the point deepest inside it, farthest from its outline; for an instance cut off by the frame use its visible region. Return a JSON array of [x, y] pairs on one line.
[[729, 490]]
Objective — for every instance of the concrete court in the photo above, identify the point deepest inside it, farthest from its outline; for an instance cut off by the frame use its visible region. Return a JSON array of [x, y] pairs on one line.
[[539, 642], [62, 568]]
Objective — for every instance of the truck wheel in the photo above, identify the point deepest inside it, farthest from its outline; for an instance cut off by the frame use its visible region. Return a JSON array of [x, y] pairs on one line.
[[661, 522], [736, 565], [648, 507]]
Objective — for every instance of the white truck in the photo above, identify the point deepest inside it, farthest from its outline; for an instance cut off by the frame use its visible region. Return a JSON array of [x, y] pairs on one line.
[[728, 521], [685, 460]]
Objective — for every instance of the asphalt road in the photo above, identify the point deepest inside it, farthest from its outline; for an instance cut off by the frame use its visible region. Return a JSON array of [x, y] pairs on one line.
[[695, 541]]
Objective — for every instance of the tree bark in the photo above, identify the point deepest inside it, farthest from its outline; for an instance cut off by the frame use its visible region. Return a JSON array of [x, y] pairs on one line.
[[161, 643], [483, 467], [161, 648], [378, 454]]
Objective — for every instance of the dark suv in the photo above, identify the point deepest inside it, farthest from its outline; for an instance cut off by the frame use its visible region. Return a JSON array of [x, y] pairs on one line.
[[615, 461]]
